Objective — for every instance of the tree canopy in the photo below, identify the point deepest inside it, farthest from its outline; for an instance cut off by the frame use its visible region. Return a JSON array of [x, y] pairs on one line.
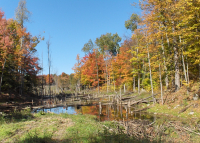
[[108, 42]]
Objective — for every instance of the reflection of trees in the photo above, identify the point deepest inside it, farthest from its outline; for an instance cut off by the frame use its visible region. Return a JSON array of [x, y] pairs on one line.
[[92, 110], [109, 112]]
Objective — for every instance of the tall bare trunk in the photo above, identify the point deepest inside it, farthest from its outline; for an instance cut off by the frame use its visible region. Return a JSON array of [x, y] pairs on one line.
[[134, 83], [138, 83], [170, 54], [184, 71], [186, 75], [120, 93], [177, 74], [199, 73], [109, 78], [133, 74], [113, 77], [124, 88], [165, 67], [49, 63], [143, 74], [176, 62], [98, 77], [150, 76], [161, 92], [114, 86], [97, 70], [106, 77], [138, 75], [22, 71], [188, 80]]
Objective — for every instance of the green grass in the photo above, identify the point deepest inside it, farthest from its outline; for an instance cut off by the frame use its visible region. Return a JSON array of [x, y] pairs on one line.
[[43, 128], [174, 111], [48, 127], [16, 116], [35, 137]]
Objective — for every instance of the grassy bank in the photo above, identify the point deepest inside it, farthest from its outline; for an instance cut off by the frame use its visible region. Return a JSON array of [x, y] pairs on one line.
[[174, 126], [176, 103], [23, 127]]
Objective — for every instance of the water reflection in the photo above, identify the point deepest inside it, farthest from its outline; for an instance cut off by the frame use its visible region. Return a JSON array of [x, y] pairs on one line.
[[103, 112], [58, 110], [113, 112]]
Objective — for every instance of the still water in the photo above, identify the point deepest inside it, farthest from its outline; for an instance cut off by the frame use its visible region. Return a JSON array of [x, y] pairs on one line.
[[105, 113], [58, 110]]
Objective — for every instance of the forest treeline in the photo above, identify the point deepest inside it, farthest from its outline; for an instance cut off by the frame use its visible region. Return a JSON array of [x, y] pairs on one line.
[[62, 82], [19, 67], [163, 52]]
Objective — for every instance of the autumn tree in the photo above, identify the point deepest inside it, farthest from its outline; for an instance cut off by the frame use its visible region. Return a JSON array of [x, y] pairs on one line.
[[108, 44], [5, 43], [12, 55], [49, 79], [22, 15], [77, 69]]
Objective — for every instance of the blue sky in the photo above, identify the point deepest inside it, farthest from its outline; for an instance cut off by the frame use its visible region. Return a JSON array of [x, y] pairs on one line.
[[70, 24]]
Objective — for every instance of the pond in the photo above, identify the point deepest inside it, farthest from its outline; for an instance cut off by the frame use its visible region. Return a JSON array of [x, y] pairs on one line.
[[58, 110], [105, 113]]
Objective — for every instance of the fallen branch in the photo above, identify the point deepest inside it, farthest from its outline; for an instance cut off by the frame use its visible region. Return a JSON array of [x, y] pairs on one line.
[[141, 109], [184, 109], [140, 100], [191, 131]]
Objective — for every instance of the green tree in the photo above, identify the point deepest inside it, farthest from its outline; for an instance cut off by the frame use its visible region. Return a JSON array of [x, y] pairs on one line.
[[87, 48], [109, 42], [133, 22]]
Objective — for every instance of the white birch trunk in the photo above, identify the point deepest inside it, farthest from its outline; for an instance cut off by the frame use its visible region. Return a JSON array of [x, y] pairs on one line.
[[176, 63], [133, 84], [150, 76], [184, 70], [161, 92], [138, 83], [165, 67]]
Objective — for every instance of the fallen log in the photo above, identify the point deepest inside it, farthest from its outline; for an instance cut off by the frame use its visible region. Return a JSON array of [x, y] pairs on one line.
[[126, 98], [141, 109], [141, 100], [184, 109]]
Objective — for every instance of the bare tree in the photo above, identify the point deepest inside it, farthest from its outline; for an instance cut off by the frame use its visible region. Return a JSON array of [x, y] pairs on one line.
[[49, 63], [22, 15]]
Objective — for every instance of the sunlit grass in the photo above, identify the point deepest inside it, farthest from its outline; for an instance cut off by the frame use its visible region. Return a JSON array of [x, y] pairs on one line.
[[60, 128], [174, 111]]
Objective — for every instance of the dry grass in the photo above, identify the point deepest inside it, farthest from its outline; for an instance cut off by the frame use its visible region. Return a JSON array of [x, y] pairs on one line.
[[176, 101], [16, 132]]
